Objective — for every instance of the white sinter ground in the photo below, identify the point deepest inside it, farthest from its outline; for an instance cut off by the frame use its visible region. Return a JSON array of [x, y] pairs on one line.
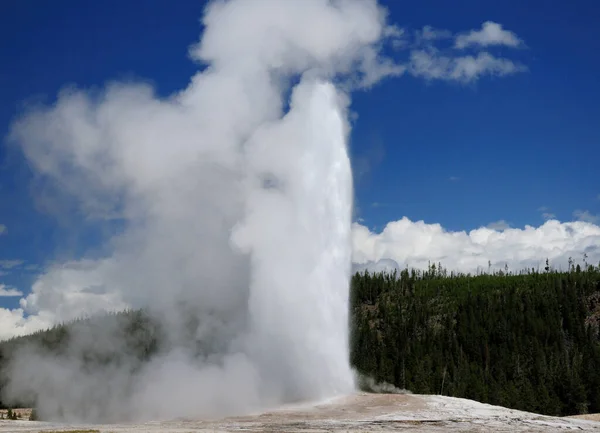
[[359, 412]]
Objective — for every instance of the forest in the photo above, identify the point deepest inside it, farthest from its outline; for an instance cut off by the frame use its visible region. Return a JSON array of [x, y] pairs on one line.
[[528, 340]]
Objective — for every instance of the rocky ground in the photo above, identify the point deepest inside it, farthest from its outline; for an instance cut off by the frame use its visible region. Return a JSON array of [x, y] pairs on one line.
[[360, 412]]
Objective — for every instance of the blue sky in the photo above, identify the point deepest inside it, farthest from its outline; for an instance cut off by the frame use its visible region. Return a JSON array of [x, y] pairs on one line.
[[462, 155]]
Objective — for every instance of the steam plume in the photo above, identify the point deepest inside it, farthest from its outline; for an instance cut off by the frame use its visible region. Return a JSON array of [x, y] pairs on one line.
[[236, 218]]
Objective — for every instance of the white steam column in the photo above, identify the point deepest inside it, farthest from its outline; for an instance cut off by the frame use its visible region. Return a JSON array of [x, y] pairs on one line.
[[297, 229]]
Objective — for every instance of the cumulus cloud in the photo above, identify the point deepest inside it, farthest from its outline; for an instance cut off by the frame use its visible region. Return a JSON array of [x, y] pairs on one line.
[[3, 229], [491, 33], [9, 292], [430, 64], [429, 61], [584, 215], [381, 265], [14, 323], [415, 244], [498, 225]]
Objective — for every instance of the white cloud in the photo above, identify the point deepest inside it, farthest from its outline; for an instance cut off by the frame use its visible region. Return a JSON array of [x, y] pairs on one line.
[[491, 33], [584, 215], [10, 264], [430, 64], [546, 214], [3, 229], [415, 244], [396, 36], [6, 292], [431, 34], [382, 265], [14, 323], [428, 61], [498, 225], [393, 31]]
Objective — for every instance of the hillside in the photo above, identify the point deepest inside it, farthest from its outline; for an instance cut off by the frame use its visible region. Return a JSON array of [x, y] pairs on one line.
[[133, 336], [528, 341]]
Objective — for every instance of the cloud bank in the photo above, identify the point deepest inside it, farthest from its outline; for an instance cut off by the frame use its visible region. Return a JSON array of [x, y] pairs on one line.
[[415, 244], [235, 215]]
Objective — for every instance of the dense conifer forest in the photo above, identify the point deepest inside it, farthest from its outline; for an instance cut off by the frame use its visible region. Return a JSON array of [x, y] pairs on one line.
[[527, 341]]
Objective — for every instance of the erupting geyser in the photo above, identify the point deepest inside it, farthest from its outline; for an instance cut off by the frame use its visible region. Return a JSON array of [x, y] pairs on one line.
[[301, 256], [235, 219]]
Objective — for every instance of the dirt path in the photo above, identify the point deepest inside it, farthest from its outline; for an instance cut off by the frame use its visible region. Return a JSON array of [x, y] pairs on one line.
[[589, 416]]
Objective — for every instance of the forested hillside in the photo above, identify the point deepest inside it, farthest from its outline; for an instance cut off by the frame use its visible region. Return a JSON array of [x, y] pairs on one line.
[[528, 341], [132, 335]]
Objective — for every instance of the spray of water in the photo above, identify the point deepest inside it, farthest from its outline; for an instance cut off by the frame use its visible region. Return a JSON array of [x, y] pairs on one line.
[[234, 216], [300, 325]]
